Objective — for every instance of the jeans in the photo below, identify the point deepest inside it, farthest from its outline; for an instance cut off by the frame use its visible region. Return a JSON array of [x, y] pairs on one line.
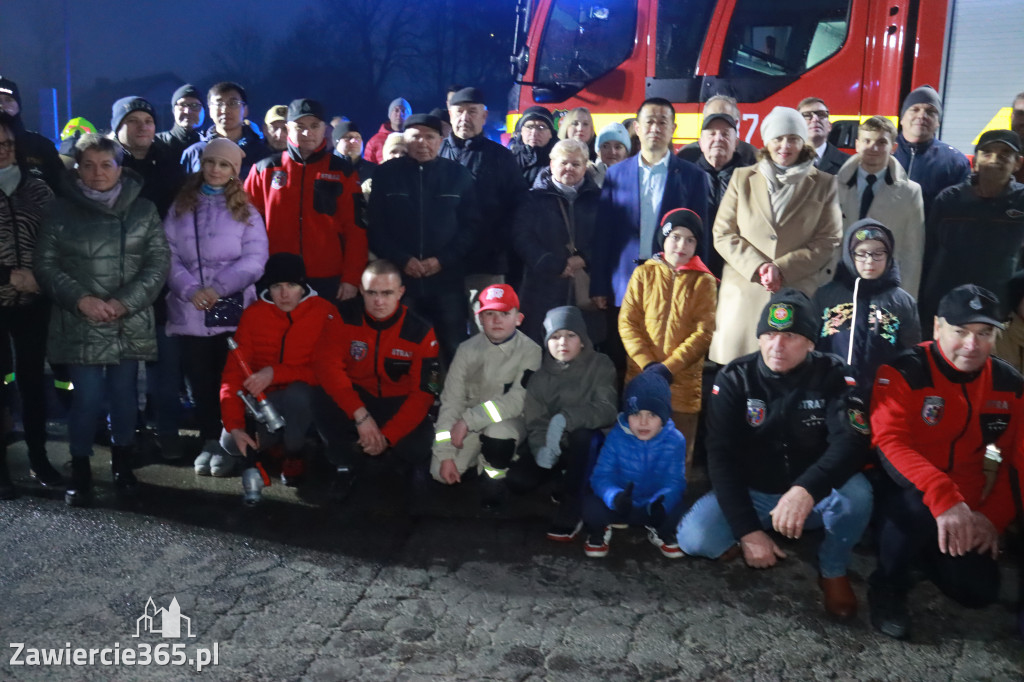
[[163, 381], [844, 514], [95, 387]]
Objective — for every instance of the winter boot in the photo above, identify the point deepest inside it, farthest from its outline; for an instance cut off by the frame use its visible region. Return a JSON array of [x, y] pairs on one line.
[[79, 492], [7, 491], [121, 459], [43, 470]]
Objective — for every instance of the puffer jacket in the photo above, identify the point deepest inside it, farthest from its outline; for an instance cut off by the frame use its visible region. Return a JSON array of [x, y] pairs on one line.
[[655, 467], [269, 337], [886, 324], [20, 216], [582, 390], [668, 316], [233, 254], [87, 249]]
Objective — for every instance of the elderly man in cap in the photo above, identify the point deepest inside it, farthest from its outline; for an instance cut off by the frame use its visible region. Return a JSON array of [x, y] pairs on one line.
[[398, 111], [499, 186], [929, 161], [423, 216], [228, 109], [312, 204], [348, 144], [35, 154], [275, 127], [786, 440], [942, 415], [975, 230], [187, 107]]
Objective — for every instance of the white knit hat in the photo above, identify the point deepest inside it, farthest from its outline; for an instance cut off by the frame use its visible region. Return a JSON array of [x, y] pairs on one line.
[[783, 121]]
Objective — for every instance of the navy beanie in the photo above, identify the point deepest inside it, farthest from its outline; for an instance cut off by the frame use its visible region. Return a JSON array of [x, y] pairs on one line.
[[127, 105], [648, 391]]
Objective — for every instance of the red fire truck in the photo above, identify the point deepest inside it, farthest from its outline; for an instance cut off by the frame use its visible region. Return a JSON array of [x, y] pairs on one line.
[[860, 56]]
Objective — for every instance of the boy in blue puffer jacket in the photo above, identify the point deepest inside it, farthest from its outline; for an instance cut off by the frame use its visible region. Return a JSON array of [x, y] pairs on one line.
[[639, 478]]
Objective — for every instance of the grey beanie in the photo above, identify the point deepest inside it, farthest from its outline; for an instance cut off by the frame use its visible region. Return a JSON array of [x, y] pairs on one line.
[[783, 121], [565, 317], [925, 94], [400, 102], [614, 132]]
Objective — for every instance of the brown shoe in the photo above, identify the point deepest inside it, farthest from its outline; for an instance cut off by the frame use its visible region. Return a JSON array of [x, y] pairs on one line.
[[730, 554], [840, 601]]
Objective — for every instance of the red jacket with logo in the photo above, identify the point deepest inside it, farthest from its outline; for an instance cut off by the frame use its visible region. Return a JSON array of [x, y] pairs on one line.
[[269, 337], [392, 358], [932, 423], [313, 208]]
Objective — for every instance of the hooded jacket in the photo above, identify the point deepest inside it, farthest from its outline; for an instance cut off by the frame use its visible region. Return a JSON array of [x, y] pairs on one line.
[[269, 337], [886, 320], [668, 316], [20, 216], [656, 467], [87, 249], [314, 208], [582, 390], [229, 255]]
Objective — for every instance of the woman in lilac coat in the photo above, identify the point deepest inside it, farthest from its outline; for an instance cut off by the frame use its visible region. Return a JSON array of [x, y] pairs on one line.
[[218, 250]]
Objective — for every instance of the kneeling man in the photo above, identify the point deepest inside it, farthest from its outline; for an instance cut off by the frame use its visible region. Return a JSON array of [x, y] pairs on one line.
[[936, 410], [786, 440]]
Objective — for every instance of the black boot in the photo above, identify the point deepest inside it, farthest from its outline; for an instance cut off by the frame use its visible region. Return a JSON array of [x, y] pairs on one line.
[[43, 470], [79, 492], [7, 491], [121, 458]]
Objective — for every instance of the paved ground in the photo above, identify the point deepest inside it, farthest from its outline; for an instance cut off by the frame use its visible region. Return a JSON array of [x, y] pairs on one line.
[[291, 591]]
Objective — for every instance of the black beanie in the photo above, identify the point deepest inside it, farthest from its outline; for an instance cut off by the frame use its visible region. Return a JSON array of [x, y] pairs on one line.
[[125, 106], [342, 129], [789, 310], [680, 217], [536, 113], [186, 90], [283, 267], [648, 391], [923, 95]]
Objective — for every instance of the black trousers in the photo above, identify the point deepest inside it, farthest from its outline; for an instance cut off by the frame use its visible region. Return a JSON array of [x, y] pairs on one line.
[[524, 475], [203, 358], [26, 326], [341, 436], [597, 515], [908, 538], [447, 313]]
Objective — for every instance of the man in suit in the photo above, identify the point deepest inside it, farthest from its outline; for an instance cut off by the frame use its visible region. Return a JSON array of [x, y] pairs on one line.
[[814, 111], [636, 194]]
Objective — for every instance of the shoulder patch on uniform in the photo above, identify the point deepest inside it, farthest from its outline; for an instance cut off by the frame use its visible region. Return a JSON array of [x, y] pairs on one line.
[[859, 421], [756, 410]]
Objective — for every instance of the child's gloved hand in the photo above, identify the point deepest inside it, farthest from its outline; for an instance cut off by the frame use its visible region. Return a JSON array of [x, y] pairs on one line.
[[656, 511], [660, 369], [623, 499], [546, 457]]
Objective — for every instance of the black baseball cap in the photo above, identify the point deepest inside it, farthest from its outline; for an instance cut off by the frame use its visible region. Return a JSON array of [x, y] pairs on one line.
[[305, 107], [424, 120], [970, 304], [467, 96], [1007, 137], [710, 118]]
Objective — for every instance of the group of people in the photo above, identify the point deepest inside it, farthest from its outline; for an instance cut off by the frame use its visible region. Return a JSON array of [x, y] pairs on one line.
[[456, 310]]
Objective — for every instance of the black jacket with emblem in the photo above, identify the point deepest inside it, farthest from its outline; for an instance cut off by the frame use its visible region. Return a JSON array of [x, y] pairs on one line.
[[769, 432]]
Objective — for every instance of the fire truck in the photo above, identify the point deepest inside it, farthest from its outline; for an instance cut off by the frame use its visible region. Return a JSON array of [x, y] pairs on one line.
[[860, 56]]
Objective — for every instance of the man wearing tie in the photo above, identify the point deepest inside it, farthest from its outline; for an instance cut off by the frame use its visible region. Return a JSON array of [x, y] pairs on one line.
[[871, 184], [815, 113]]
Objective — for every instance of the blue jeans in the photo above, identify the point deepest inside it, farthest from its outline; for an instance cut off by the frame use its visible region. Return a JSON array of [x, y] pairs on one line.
[[97, 386], [844, 514], [163, 381]]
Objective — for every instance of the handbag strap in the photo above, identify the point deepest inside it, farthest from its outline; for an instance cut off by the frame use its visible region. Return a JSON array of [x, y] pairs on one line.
[[568, 224], [199, 255]]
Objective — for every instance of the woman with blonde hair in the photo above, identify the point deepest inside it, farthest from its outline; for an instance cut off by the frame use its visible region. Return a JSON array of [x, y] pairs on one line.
[[578, 124]]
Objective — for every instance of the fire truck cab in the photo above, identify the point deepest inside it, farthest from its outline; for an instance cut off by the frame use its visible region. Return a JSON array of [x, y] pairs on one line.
[[860, 56]]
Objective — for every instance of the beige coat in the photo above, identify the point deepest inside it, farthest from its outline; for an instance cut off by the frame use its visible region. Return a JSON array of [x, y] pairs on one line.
[[803, 244], [898, 206]]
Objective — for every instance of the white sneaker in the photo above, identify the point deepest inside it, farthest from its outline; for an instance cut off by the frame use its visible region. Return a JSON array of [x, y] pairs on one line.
[[668, 549], [202, 463], [222, 465]]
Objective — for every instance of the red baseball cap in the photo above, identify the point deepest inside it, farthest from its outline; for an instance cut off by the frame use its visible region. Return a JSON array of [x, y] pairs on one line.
[[498, 297]]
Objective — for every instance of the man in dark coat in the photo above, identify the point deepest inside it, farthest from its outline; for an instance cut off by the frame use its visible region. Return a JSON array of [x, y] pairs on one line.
[[187, 106], [829, 158], [37, 156]]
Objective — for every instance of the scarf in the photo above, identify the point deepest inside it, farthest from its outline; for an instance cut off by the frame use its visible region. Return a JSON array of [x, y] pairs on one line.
[[107, 198], [570, 192], [9, 179], [782, 183], [210, 190]]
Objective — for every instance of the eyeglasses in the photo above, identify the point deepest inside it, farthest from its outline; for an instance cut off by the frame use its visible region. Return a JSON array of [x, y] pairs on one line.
[[535, 126], [7, 146], [189, 106], [821, 113], [228, 104], [865, 256]]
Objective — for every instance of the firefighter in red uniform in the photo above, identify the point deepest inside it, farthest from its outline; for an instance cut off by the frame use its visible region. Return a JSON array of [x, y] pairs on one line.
[[378, 367], [936, 410], [312, 204]]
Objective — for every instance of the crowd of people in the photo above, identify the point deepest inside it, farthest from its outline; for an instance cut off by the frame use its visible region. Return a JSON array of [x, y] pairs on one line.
[[839, 337]]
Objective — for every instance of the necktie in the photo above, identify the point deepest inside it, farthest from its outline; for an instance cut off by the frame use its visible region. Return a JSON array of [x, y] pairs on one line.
[[867, 197]]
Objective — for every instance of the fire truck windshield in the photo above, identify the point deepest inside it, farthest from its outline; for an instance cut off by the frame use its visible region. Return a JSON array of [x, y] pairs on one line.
[[583, 40]]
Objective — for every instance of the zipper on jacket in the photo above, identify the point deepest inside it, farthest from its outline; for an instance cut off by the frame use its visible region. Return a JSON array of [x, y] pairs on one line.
[[967, 425], [284, 337], [913, 155], [302, 204], [421, 213], [376, 356]]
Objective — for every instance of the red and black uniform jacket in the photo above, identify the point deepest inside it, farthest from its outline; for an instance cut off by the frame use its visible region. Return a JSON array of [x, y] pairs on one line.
[[314, 208], [269, 337], [932, 423], [392, 358]]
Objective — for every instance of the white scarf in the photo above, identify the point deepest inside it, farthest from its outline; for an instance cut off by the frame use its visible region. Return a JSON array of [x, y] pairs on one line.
[[9, 179], [782, 183], [108, 198]]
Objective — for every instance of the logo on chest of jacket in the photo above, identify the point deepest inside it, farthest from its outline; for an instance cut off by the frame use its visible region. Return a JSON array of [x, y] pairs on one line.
[[358, 349], [756, 410], [279, 179], [813, 404], [931, 411], [399, 353]]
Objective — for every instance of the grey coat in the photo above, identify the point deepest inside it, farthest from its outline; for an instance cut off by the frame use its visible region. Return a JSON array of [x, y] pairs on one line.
[[87, 249]]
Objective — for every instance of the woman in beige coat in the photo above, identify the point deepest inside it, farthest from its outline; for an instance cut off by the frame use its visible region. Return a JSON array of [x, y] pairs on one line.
[[778, 225]]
